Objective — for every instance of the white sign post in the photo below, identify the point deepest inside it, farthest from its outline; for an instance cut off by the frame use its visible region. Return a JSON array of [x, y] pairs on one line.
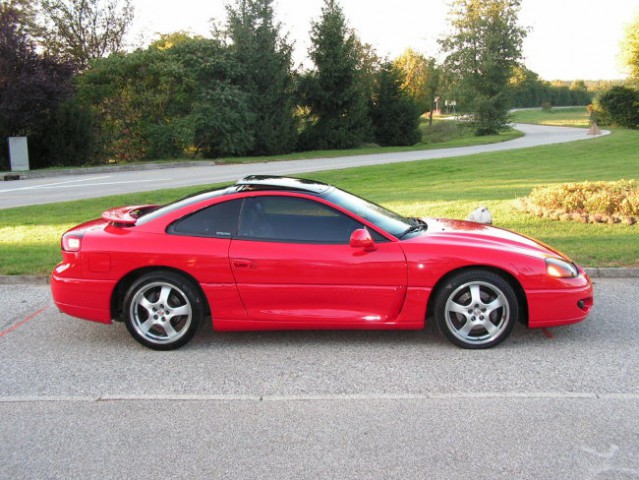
[[18, 154]]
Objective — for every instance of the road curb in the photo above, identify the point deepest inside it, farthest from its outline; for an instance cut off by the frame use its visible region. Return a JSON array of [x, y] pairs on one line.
[[24, 279], [613, 272], [592, 272]]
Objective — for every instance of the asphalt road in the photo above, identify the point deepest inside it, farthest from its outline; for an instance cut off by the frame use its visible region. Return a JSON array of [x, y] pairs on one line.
[[74, 187], [80, 400]]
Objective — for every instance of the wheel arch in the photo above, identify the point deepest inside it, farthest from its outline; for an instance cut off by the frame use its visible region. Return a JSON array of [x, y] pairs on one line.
[[512, 281], [117, 296]]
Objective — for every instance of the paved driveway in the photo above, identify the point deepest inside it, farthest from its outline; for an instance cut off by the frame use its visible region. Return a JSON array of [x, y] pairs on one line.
[[80, 400], [74, 187]]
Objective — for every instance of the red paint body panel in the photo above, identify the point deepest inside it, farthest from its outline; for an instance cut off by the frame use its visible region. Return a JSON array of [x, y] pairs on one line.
[[326, 285], [265, 285]]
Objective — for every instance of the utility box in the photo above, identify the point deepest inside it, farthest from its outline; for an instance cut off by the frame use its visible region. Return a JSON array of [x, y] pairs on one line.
[[18, 154]]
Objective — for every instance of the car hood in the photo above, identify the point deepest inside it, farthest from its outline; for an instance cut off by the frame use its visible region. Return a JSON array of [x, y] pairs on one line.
[[463, 233]]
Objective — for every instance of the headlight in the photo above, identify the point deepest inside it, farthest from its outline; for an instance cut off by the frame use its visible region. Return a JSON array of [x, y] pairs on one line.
[[560, 268]]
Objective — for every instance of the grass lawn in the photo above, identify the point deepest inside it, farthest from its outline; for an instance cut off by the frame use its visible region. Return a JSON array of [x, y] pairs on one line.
[[562, 117], [29, 236]]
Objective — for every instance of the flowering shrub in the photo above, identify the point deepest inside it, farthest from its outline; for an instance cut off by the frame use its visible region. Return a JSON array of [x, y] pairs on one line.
[[588, 202]]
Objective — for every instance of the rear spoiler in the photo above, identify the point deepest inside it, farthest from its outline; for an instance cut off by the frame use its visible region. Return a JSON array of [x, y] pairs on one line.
[[126, 216]]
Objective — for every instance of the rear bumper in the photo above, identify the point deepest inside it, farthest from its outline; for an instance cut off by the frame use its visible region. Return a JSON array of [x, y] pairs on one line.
[[553, 308], [82, 298]]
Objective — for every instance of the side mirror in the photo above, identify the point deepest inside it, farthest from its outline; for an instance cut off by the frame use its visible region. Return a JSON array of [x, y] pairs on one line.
[[361, 238]]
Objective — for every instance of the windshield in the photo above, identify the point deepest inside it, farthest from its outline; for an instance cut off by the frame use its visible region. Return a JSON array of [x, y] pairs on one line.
[[387, 220]]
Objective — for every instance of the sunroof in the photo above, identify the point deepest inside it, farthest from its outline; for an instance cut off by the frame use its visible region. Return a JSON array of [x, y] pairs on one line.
[[286, 183]]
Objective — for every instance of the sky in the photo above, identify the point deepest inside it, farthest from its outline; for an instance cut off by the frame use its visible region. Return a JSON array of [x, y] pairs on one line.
[[568, 39]]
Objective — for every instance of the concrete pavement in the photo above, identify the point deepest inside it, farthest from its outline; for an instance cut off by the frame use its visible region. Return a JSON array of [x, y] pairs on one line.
[[80, 400]]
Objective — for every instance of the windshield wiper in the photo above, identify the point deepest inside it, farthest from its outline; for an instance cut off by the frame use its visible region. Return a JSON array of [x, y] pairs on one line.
[[415, 225]]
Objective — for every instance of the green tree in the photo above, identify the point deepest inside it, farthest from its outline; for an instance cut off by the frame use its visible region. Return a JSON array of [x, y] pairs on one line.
[[395, 114], [179, 93], [527, 89], [83, 30], [415, 68], [422, 79], [221, 115], [334, 92], [482, 51], [630, 49], [33, 88], [139, 99], [222, 121], [620, 106], [262, 50]]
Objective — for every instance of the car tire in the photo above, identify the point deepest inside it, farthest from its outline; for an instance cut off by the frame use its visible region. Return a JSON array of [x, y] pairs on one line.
[[163, 310], [476, 309]]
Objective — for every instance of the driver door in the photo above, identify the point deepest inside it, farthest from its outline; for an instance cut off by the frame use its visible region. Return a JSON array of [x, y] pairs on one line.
[[294, 267]]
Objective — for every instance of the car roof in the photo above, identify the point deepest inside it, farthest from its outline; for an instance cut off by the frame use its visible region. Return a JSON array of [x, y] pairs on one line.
[[274, 182]]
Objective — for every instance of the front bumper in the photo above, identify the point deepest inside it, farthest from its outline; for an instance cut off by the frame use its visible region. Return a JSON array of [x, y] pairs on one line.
[[556, 307]]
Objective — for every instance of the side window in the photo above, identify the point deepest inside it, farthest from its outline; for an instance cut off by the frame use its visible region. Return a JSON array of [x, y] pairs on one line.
[[218, 221], [293, 219]]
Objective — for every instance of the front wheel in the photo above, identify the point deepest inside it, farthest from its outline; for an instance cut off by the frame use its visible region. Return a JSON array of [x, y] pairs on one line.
[[476, 309], [163, 310]]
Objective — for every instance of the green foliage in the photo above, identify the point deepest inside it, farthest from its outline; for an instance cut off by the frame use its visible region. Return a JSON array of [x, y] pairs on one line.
[[265, 55], [84, 30], [395, 114], [334, 91], [422, 79], [619, 106], [630, 48], [32, 88], [134, 96], [178, 93], [69, 139], [526, 89], [483, 49], [222, 121]]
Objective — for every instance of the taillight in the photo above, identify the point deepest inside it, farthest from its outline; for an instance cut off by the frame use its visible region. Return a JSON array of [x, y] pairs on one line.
[[71, 242]]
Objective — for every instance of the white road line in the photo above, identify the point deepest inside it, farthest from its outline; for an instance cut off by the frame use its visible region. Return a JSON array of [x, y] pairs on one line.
[[65, 183], [55, 186]]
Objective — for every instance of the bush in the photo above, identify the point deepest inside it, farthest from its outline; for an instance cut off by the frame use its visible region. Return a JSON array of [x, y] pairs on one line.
[[620, 106], [594, 202], [70, 141]]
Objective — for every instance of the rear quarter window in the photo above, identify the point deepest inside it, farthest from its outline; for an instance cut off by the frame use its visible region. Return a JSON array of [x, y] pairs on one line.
[[217, 221]]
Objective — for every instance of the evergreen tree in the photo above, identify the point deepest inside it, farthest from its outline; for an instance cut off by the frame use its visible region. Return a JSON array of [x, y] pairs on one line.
[[395, 113], [334, 91], [483, 50], [266, 57]]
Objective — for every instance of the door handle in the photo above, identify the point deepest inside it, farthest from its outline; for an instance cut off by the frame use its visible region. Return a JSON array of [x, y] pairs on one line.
[[243, 263]]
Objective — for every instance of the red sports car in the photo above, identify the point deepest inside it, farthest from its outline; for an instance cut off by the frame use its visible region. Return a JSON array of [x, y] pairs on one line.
[[273, 253]]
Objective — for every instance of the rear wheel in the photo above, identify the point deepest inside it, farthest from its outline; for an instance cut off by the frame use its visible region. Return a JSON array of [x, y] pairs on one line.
[[163, 310], [476, 309]]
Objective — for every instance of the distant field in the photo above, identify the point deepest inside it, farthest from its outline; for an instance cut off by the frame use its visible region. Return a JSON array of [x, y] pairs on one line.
[[29, 236], [563, 117]]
